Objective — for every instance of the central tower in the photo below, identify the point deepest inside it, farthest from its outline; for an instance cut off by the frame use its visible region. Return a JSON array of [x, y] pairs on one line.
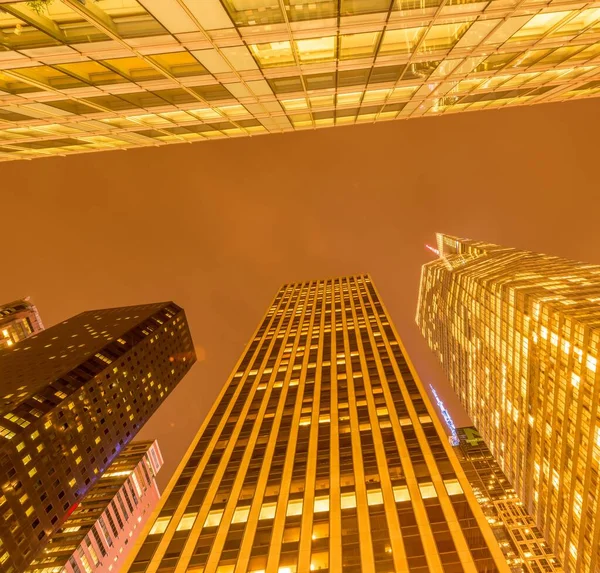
[[322, 452]]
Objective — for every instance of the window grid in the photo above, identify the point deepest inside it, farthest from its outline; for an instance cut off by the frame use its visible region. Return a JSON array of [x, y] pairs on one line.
[[517, 334], [176, 71], [70, 413], [259, 477]]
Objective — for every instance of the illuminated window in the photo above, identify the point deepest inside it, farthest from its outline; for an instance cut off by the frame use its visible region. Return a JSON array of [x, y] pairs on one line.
[[179, 64], [374, 497], [267, 511], [240, 515], [6, 433], [187, 521], [400, 41], [591, 363], [321, 504], [160, 525], [134, 69], [273, 54], [316, 49], [401, 493], [580, 22], [427, 490], [17, 420], [320, 530], [453, 487], [294, 507], [358, 45], [319, 561], [573, 550], [538, 26], [348, 500], [443, 36], [294, 104]]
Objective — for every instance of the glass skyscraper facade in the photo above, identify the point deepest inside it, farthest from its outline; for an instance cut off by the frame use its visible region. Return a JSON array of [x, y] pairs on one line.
[[72, 396], [87, 75], [322, 452], [101, 530], [18, 320], [520, 539], [518, 335]]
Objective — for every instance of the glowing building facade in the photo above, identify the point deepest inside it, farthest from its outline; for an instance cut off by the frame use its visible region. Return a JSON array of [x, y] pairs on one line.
[[86, 75], [518, 334], [72, 396], [322, 452], [520, 539], [100, 532], [18, 320]]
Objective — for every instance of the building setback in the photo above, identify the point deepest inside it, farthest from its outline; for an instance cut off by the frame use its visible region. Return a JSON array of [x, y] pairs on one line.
[[322, 452], [518, 335], [18, 320], [72, 397], [101, 530], [80, 76]]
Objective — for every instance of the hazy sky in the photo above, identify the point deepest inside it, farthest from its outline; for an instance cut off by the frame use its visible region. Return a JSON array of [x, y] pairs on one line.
[[219, 226]]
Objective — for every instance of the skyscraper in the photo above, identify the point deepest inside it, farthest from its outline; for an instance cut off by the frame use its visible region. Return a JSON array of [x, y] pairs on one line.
[[99, 533], [86, 75], [322, 452], [518, 335], [523, 545], [520, 539], [73, 396], [18, 320]]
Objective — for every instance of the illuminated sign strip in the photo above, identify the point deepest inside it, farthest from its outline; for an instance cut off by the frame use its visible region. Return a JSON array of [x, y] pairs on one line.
[[447, 418]]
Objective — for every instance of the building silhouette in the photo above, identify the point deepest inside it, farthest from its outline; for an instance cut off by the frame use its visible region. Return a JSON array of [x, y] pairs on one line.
[[72, 397], [322, 452], [518, 335], [82, 76]]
